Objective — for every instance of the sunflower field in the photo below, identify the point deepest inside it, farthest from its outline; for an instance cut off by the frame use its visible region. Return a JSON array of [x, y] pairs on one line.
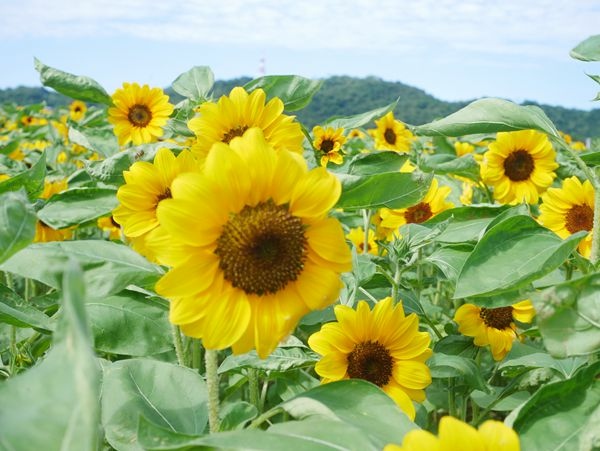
[[213, 275]]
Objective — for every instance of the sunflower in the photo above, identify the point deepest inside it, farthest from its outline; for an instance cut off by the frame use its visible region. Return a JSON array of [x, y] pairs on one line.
[[357, 238], [519, 165], [139, 113], [232, 115], [108, 226], [570, 209], [329, 143], [251, 245], [43, 232], [433, 203], [382, 346], [454, 435], [356, 133], [77, 110], [493, 326], [391, 134]]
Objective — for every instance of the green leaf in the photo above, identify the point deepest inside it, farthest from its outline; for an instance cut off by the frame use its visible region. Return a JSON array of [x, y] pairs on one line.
[[444, 365], [129, 324], [591, 158], [195, 84], [17, 223], [391, 190], [449, 260], [295, 92], [568, 316], [110, 171], [107, 267], [506, 404], [236, 415], [358, 120], [375, 162], [32, 179], [465, 166], [76, 87], [512, 254], [587, 50], [557, 413], [14, 311], [97, 139], [524, 356], [280, 360], [78, 206], [168, 395], [54, 405], [489, 116]]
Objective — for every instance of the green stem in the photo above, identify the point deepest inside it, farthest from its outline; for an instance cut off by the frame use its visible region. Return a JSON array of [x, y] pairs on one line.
[[212, 386], [431, 325], [396, 284], [253, 388], [366, 213], [14, 351], [178, 342], [265, 417], [263, 394], [367, 294], [451, 398], [9, 281], [196, 354]]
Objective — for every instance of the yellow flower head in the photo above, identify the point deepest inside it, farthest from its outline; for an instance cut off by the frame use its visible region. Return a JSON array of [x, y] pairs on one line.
[[357, 238], [252, 247], [433, 203], [463, 148], [77, 110], [139, 113], [391, 134], [454, 435], [383, 233], [53, 187], [232, 115], [110, 227], [382, 346], [519, 166], [329, 143], [493, 326], [44, 233], [62, 157], [570, 209], [4, 177], [356, 133]]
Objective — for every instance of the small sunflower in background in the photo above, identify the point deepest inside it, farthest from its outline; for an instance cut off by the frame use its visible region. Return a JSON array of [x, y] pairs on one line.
[[357, 238], [570, 209], [356, 133], [232, 115], [454, 435], [328, 142], [493, 326], [139, 113], [77, 110], [519, 166], [382, 346], [108, 226], [43, 232], [391, 134]]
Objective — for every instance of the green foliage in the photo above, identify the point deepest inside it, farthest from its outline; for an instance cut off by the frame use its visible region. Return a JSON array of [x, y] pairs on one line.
[[295, 92], [17, 223]]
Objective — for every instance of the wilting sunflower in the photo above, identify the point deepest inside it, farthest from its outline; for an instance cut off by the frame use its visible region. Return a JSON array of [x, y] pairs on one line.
[[570, 209], [77, 110], [256, 248], [493, 326], [382, 346], [454, 435], [139, 113], [328, 143], [433, 203], [357, 238], [391, 134], [232, 115], [519, 166]]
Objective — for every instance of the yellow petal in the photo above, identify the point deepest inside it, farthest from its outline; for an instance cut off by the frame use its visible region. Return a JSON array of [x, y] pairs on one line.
[[332, 366], [499, 437]]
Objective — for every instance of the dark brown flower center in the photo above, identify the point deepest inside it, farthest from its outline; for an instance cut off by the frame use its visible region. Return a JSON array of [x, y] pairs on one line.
[[238, 131], [262, 248], [114, 223], [139, 115], [519, 165], [327, 145], [77, 109], [390, 136], [498, 318], [165, 195], [370, 361], [418, 213], [579, 217]]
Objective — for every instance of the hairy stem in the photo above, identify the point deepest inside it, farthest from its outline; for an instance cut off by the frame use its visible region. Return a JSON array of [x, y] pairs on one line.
[[212, 385]]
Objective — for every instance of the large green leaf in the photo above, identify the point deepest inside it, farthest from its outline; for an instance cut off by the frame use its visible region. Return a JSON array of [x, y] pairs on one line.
[[129, 323], [512, 254], [555, 416], [588, 49], [17, 223], [110, 170], [295, 92], [76, 87], [465, 166], [358, 120], [489, 116], [524, 356], [32, 179], [375, 162], [15, 311], [55, 405], [168, 395], [444, 365], [97, 139], [78, 206], [390, 189], [281, 359], [449, 260], [107, 267], [195, 84]]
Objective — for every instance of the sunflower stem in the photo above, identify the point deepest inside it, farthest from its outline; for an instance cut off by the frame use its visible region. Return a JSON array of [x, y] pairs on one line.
[[178, 342], [451, 398], [396, 283], [263, 394], [253, 394], [196, 354], [366, 214], [212, 385], [265, 417]]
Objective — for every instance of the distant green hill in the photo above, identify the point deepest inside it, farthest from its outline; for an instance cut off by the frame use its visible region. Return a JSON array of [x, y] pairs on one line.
[[342, 96]]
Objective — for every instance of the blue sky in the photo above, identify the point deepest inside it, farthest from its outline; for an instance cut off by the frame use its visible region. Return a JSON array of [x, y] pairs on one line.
[[454, 50]]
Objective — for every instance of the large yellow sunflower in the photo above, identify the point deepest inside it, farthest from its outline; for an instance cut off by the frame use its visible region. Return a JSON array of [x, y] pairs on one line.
[[251, 245], [454, 435], [391, 134], [519, 166], [433, 203], [139, 113], [232, 115], [77, 110], [329, 143], [493, 326], [382, 346], [570, 209]]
